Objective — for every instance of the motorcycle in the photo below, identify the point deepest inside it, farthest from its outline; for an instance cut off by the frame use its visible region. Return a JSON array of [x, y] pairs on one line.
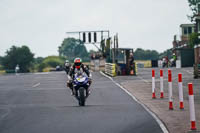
[[80, 88]]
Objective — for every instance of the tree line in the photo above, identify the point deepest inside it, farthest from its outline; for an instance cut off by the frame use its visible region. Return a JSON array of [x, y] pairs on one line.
[[22, 56], [69, 49], [142, 54]]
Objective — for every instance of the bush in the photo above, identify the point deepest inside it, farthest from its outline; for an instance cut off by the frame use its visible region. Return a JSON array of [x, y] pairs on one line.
[[47, 69], [41, 67], [1, 67], [50, 62], [2, 72]]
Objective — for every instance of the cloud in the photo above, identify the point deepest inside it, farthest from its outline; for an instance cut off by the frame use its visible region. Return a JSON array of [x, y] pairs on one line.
[[42, 24]]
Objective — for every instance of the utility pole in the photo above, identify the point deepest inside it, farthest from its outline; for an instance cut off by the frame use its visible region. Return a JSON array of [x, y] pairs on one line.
[[117, 46], [113, 50]]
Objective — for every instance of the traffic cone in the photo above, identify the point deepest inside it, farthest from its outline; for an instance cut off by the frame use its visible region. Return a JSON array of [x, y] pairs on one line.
[[131, 72]]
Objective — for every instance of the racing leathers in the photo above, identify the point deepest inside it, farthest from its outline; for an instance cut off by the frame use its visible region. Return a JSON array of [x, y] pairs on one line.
[[67, 67]]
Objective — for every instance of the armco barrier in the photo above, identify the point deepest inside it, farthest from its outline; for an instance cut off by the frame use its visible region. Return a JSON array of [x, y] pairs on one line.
[[10, 71], [110, 69], [143, 63], [136, 68], [2, 72]]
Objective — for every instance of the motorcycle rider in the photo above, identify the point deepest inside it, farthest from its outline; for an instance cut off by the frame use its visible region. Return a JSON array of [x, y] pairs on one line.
[[67, 66], [77, 67], [173, 62]]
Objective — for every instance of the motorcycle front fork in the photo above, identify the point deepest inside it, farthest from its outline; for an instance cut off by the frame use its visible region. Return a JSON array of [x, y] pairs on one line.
[[76, 93]]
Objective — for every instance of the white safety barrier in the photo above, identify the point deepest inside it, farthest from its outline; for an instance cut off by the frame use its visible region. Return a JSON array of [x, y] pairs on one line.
[[178, 64]]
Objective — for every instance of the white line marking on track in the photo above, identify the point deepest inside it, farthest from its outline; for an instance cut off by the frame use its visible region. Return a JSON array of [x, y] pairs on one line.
[[36, 85], [190, 72], [161, 124], [6, 114], [41, 73], [146, 81]]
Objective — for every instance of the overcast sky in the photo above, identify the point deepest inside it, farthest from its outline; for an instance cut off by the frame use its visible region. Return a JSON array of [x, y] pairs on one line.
[[41, 24]]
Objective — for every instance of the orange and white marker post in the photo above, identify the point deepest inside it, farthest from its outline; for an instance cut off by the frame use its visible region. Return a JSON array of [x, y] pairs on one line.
[[191, 105], [180, 88], [170, 89], [161, 84], [153, 84]]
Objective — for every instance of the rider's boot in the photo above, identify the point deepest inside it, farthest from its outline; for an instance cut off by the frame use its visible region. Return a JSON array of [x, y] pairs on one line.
[[69, 84], [72, 93]]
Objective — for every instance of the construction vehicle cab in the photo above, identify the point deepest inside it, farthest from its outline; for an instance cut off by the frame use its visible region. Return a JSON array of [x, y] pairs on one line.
[[124, 59]]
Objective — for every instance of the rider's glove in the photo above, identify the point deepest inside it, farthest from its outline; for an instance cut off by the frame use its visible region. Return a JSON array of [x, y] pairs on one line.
[[69, 78], [89, 80]]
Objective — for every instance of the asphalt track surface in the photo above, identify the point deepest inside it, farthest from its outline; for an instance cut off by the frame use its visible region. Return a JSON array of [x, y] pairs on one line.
[[41, 103]]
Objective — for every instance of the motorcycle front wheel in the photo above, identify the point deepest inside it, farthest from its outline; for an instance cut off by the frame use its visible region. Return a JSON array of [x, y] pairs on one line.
[[81, 96]]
